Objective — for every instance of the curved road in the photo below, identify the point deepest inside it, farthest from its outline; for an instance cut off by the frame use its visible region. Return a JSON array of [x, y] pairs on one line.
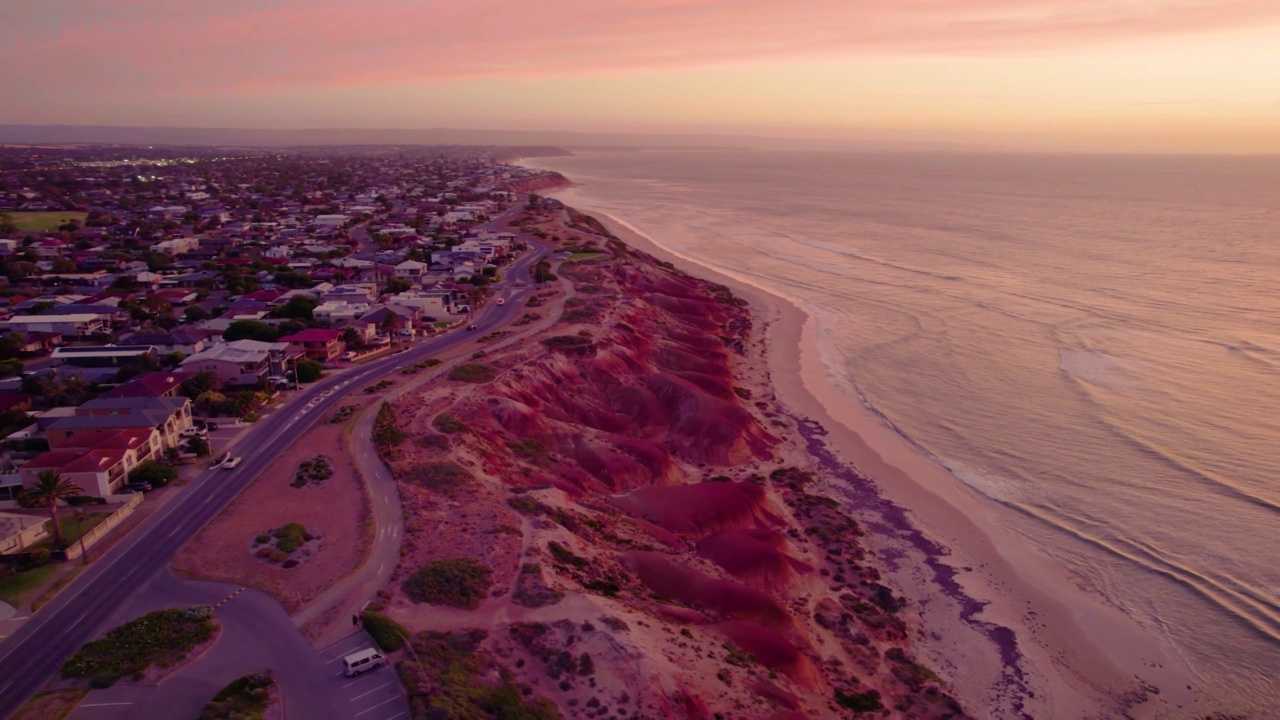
[[35, 652]]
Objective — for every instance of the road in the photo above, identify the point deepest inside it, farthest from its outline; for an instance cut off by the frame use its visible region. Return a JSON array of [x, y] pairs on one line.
[[35, 652]]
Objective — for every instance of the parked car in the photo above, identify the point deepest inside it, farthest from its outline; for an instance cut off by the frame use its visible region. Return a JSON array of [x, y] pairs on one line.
[[141, 486], [472, 326]]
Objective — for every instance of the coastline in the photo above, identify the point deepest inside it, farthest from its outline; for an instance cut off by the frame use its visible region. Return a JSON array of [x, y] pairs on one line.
[[1006, 626]]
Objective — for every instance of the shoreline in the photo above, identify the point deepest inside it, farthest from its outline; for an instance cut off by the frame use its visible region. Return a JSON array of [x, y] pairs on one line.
[[1006, 625]]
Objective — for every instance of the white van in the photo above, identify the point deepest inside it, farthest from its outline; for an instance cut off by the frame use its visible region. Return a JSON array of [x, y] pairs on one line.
[[363, 661]]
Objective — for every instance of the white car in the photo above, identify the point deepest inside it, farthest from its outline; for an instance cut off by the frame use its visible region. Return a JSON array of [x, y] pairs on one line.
[[502, 301], [232, 463]]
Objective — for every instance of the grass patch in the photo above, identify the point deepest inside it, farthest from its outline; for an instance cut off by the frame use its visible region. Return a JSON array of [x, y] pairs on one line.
[[71, 531], [448, 424], [529, 449], [472, 373], [15, 588], [566, 342], [442, 477], [246, 698], [387, 633], [316, 470], [51, 705], [584, 256], [448, 677], [40, 222], [457, 582], [162, 638]]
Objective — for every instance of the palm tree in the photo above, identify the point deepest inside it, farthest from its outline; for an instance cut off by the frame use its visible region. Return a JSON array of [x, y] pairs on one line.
[[50, 487]]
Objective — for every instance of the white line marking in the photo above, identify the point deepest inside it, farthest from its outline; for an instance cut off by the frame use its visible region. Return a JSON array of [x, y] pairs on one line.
[[381, 568], [370, 692], [104, 704], [375, 707]]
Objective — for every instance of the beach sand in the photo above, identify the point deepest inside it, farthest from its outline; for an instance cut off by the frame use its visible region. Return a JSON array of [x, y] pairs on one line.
[[1005, 626]]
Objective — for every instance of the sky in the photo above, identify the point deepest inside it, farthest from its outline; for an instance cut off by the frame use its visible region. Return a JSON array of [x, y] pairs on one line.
[[1108, 75]]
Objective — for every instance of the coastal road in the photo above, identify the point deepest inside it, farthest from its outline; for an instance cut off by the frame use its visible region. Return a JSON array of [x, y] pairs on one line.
[[34, 652]]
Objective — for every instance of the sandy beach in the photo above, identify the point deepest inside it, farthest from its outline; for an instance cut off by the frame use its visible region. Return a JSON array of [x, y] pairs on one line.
[[1012, 634]]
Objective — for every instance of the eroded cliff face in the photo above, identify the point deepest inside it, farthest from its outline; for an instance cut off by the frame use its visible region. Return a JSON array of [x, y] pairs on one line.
[[642, 502]]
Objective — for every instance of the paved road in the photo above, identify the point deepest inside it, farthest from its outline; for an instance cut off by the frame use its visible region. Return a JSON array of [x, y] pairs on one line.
[[34, 652]]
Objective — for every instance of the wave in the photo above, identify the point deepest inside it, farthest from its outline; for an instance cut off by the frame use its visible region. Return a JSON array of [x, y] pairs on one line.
[[1236, 599]]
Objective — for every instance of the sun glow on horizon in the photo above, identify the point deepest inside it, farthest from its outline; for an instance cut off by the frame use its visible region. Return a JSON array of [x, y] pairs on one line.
[[1067, 74]]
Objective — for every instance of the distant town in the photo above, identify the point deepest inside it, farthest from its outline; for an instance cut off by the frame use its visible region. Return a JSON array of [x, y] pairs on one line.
[[143, 289]]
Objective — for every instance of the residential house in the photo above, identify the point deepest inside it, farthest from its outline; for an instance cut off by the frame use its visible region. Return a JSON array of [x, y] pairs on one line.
[[317, 343], [66, 324], [241, 362]]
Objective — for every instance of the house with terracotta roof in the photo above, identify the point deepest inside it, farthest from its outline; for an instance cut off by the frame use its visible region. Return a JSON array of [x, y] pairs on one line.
[[152, 384], [167, 416], [320, 344], [97, 472]]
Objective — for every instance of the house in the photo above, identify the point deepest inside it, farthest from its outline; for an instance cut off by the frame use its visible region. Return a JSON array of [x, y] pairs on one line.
[[241, 362], [182, 341], [103, 356], [66, 324], [431, 303], [411, 270], [168, 416], [152, 384], [317, 343], [390, 318], [335, 312], [96, 471]]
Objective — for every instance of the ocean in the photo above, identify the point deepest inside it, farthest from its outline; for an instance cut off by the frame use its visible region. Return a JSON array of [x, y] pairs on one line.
[[1090, 342]]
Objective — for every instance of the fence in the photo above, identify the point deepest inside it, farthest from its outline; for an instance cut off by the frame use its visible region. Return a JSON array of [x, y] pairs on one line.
[[105, 526]]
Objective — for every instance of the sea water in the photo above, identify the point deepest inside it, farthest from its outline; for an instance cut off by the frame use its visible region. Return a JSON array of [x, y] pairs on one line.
[[1090, 341]]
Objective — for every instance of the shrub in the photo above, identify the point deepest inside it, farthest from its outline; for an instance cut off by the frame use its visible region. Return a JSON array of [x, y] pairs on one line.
[[565, 555], [860, 702], [387, 633], [441, 477], [291, 537], [472, 373], [432, 442], [150, 471], [566, 341], [245, 698], [456, 582], [448, 424], [160, 637], [524, 505]]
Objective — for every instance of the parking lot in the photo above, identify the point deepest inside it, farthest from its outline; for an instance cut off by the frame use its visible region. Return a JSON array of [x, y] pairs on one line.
[[375, 695]]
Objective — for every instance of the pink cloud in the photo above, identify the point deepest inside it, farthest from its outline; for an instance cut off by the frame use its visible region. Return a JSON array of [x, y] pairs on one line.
[[148, 47]]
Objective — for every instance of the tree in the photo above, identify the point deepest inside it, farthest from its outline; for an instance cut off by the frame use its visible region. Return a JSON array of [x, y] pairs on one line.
[[150, 471], [308, 371], [10, 366], [350, 336], [299, 307], [200, 383], [51, 488], [396, 286], [250, 330]]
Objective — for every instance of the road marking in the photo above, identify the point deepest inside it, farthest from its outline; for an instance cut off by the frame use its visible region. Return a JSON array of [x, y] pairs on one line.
[[370, 692], [77, 622], [381, 568], [375, 707], [105, 704]]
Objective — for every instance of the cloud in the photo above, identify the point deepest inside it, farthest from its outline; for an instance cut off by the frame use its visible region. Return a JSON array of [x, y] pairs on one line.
[[164, 47]]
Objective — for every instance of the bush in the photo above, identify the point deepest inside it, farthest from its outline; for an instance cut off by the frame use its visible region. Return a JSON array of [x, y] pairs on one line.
[[448, 424], [860, 702], [472, 373], [160, 637], [291, 537], [442, 477], [308, 371], [245, 698], [387, 633], [457, 582], [432, 441]]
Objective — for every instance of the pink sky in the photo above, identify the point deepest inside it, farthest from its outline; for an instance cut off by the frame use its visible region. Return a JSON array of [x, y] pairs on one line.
[[1195, 74]]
